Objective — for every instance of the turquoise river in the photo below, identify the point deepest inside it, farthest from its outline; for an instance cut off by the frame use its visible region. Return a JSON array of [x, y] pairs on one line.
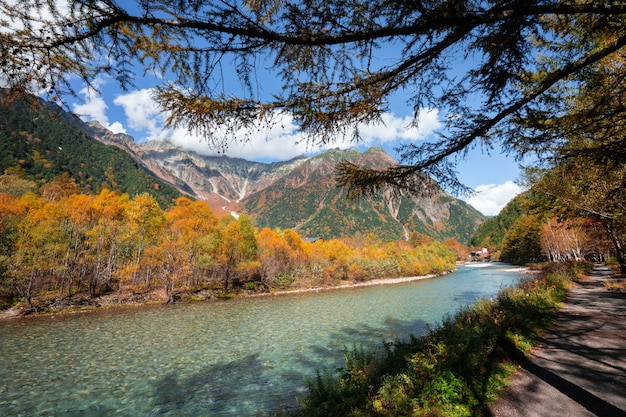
[[242, 357]]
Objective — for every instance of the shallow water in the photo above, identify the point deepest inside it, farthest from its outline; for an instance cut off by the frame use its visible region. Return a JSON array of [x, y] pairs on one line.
[[243, 357]]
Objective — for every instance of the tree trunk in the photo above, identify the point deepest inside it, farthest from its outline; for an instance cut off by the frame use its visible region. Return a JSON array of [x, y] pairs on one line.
[[617, 245], [169, 298], [226, 278], [29, 291], [264, 281]]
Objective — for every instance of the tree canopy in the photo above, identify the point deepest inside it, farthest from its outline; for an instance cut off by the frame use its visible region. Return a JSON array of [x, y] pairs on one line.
[[500, 70], [578, 187]]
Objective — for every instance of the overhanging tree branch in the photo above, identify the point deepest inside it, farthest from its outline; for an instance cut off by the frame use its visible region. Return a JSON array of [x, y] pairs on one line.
[[326, 55], [349, 175]]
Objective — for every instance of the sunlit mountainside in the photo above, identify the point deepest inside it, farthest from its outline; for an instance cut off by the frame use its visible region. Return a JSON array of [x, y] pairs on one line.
[[307, 199], [299, 194], [43, 142]]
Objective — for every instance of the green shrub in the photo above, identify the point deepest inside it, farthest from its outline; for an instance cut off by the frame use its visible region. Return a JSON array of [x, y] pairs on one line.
[[224, 295], [456, 369], [284, 281]]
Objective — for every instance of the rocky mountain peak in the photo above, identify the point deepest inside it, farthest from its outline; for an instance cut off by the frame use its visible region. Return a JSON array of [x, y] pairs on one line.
[[299, 194]]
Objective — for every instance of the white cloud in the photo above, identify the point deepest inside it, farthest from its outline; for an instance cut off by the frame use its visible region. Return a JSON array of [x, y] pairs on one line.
[[116, 127], [94, 108], [38, 17], [491, 198], [393, 128], [281, 141], [142, 113]]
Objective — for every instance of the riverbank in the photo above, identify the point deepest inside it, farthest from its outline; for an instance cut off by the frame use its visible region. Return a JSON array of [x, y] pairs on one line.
[[350, 285], [81, 302]]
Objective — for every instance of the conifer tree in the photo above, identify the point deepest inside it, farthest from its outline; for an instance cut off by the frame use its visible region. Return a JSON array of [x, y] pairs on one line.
[[339, 63]]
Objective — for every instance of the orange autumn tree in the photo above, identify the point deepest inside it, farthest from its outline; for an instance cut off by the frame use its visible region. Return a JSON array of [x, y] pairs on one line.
[[276, 257], [563, 241], [79, 221], [461, 251], [187, 224], [61, 186], [108, 215], [301, 250], [336, 255], [11, 211], [234, 248]]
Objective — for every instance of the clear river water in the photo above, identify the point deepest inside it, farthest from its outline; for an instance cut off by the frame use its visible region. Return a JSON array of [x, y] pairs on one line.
[[242, 357]]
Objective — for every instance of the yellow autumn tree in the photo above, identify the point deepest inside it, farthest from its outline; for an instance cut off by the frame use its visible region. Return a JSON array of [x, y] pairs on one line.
[[187, 224], [144, 223], [275, 256], [108, 214]]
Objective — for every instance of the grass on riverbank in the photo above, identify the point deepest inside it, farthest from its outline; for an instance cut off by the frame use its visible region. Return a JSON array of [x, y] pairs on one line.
[[457, 369]]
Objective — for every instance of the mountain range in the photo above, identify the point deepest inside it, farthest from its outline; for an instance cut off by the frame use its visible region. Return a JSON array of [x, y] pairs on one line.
[[299, 194]]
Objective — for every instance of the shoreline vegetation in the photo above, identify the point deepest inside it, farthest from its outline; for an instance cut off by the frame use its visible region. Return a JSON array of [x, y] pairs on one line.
[[66, 250], [82, 303], [457, 369], [117, 300]]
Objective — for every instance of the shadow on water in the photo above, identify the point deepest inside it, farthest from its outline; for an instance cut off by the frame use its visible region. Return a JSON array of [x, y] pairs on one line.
[[469, 297], [361, 337], [209, 391], [403, 329], [391, 329]]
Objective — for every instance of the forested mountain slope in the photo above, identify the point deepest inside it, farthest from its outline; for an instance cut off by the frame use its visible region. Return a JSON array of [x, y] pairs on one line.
[[492, 231], [307, 200], [37, 138], [300, 194]]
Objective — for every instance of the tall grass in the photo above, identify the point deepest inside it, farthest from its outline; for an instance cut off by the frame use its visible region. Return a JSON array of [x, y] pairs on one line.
[[457, 369]]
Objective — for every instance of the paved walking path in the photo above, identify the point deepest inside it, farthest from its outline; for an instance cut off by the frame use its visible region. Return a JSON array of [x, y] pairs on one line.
[[579, 368]]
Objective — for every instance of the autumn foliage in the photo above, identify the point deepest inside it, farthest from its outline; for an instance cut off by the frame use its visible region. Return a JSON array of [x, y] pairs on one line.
[[56, 243]]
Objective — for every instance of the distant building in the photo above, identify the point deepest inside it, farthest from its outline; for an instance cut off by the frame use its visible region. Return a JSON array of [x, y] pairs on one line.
[[482, 255]]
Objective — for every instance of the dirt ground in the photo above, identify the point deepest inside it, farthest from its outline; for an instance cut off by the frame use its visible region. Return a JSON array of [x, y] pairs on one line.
[[579, 368]]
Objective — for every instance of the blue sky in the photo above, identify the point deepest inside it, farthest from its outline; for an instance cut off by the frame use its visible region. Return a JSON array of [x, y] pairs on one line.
[[492, 175]]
